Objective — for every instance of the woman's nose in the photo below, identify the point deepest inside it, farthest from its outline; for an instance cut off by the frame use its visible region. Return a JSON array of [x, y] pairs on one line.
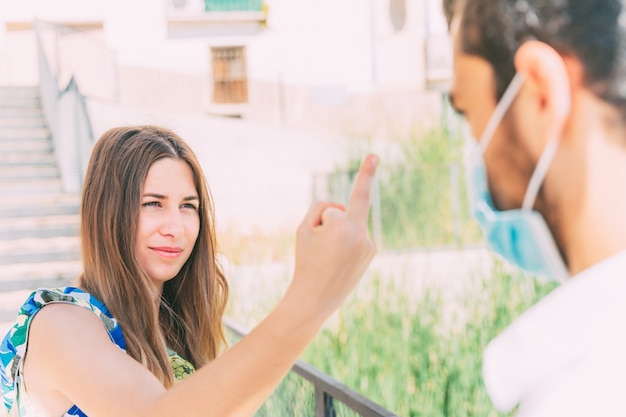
[[172, 224]]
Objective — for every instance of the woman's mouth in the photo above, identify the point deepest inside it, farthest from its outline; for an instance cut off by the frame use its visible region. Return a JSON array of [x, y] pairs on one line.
[[167, 251]]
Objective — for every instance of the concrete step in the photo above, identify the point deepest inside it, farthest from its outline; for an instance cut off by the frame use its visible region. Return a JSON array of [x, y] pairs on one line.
[[27, 120], [24, 133], [29, 158], [42, 144], [34, 250], [40, 205], [19, 91], [39, 274], [25, 172], [39, 227], [27, 186], [18, 280], [19, 101], [20, 112]]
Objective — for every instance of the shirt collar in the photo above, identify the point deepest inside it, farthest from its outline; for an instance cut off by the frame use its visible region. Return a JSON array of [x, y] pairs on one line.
[[554, 334]]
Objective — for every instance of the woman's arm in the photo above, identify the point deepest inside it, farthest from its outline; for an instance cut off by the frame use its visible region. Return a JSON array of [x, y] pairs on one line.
[[71, 356]]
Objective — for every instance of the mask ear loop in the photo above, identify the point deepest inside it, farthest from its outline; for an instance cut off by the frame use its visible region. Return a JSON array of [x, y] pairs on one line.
[[541, 170], [501, 108]]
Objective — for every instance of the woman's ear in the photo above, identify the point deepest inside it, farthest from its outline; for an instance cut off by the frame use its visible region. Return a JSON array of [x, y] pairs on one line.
[[547, 76]]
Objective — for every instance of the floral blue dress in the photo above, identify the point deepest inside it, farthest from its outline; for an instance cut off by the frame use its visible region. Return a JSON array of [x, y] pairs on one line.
[[14, 344]]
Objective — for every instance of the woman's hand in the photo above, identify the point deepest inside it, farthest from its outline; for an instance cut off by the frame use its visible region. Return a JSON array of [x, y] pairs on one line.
[[333, 248]]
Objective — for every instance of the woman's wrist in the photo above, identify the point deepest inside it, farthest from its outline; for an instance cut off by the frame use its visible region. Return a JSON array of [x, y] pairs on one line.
[[300, 316]]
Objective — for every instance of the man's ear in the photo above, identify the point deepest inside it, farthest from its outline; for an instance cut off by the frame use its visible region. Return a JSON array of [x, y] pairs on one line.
[[548, 79]]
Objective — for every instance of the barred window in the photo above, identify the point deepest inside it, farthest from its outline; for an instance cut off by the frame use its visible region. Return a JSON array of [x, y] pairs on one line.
[[230, 80]]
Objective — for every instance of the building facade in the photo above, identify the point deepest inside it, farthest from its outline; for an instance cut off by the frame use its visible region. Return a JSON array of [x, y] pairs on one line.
[[359, 67]]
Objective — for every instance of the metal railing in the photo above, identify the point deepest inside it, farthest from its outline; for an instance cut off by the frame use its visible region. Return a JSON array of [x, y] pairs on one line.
[[66, 113], [329, 394]]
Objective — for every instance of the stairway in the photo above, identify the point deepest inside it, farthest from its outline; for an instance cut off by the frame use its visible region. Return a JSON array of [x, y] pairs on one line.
[[39, 223]]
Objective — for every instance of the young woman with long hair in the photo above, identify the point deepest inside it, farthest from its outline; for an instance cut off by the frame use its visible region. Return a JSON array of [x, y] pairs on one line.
[[141, 332]]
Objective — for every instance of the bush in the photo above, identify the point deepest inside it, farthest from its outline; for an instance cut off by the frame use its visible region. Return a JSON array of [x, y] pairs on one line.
[[413, 362]]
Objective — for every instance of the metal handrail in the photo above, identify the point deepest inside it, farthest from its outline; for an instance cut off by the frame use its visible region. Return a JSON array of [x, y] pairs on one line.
[[327, 389], [66, 113]]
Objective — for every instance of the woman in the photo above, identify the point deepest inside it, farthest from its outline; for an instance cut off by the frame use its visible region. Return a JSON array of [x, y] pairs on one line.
[[158, 294]]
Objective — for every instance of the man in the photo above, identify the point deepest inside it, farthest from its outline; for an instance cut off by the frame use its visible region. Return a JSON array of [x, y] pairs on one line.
[[542, 86]]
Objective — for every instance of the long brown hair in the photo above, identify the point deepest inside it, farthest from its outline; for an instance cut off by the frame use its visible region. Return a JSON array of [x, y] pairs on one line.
[[193, 302]]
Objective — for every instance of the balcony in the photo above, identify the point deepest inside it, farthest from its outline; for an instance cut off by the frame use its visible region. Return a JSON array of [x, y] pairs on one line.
[[233, 5], [196, 18]]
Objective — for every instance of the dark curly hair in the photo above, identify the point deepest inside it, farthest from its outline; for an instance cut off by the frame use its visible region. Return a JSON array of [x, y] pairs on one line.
[[593, 31]]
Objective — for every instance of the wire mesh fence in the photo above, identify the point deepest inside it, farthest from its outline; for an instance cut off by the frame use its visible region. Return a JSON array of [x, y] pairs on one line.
[[308, 392]]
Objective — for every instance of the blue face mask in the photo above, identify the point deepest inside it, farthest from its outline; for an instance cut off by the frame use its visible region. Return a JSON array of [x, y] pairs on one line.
[[520, 236]]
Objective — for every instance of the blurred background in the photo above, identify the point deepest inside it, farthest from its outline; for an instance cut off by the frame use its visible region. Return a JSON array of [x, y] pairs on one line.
[[280, 100]]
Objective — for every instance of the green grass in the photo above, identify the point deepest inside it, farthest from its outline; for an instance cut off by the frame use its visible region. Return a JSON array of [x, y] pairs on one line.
[[411, 360], [414, 354]]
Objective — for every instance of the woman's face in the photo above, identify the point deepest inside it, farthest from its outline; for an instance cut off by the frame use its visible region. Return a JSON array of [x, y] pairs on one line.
[[169, 221]]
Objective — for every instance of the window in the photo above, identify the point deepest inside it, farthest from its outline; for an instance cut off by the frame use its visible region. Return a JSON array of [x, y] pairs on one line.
[[230, 80]]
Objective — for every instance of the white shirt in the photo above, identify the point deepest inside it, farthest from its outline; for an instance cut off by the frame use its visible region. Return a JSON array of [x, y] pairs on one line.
[[566, 356]]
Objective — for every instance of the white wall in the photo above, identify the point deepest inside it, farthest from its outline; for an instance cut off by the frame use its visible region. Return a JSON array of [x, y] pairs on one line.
[[25, 10], [323, 42], [133, 24], [399, 54]]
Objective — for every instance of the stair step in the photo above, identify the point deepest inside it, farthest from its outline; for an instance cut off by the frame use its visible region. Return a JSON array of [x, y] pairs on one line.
[[25, 121], [40, 205], [29, 158], [26, 145], [31, 186], [39, 227], [33, 250], [24, 133], [28, 172], [19, 101], [19, 91], [29, 276], [21, 112]]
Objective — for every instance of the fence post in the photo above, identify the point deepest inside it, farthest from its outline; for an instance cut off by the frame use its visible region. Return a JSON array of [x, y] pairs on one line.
[[320, 404], [455, 203], [324, 404], [377, 225]]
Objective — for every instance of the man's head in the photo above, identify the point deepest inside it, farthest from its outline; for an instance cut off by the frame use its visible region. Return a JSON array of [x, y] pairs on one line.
[[589, 30], [572, 56]]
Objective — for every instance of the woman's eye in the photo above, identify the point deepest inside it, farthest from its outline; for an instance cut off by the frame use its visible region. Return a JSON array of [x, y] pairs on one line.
[[189, 206], [151, 204]]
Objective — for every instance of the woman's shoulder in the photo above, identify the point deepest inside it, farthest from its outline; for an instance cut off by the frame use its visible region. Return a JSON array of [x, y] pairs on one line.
[[61, 297], [68, 295], [52, 316]]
